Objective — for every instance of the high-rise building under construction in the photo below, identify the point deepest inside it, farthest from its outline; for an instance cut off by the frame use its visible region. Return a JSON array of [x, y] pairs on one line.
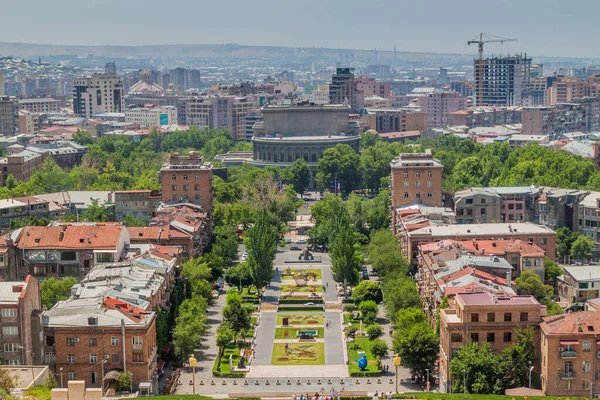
[[502, 81]]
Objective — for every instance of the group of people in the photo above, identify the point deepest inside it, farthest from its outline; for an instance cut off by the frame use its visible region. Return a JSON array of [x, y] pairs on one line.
[[382, 396], [317, 396]]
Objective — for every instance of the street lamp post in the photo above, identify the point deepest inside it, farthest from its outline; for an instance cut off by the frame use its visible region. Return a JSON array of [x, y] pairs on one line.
[[193, 363], [465, 380], [530, 369], [61, 380], [397, 364], [427, 381]]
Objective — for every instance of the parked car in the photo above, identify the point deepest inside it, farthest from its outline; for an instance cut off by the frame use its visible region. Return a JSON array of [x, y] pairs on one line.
[[310, 303], [301, 241], [295, 248]]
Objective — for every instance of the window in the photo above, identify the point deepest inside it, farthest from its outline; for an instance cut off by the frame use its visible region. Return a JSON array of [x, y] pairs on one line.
[[11, 347], [104, 257], [137, 340], [10, 330], [115, 358], [482, 201], [585, 385], [482, 211], [196, 187], [469, 201], [491, 317], [429, 174], [406, 195], [524, 317], [429, 184], [544, 240], [587, 346], [586, 366], [93, 342], [405, 184], [507, 317], [475, 317], [71, 358], [138, 357], [173, 187], [93, 377], [418, 184], [114, 341], [429, 194], [93, 358], [185, 177], [406, 174], [174, 198], [417, 174], [70, 341], [68, 256], [456, 338], [474, 337], [185, 187], [72, 376], [196, 177], [418, 195], [8, 313], [197, 197], [491, 337], [508, 336], [173, 177]]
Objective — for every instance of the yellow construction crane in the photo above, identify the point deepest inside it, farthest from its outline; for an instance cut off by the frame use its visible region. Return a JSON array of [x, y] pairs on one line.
[[479, 41]]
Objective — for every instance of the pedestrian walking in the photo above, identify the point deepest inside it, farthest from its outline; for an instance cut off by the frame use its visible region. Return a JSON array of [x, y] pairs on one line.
[[376, 397], [327, 284], [294, 396], [301, 396], [390, 395]]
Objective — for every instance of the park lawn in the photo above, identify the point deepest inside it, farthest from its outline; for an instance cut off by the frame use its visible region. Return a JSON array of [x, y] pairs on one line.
[[301, 289], [365, 345], [279, 332], [301, 319], [249, 292], [289, 274], [355, 322], [298, 354], [224, 360]]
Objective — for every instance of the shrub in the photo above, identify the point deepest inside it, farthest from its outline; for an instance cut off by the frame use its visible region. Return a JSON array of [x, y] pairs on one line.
[[349, 308], [374, 331], [379, 348]]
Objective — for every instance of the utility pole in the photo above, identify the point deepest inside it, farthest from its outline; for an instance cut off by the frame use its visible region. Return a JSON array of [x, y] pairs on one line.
[[530, 369], [124, 353], [397, 364]]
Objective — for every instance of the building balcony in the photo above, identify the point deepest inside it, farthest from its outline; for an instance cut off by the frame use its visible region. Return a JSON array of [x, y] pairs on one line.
[[568, 375], [568, 354], [138, 348]]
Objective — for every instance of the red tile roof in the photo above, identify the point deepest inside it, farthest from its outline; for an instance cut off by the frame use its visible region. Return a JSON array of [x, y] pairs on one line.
[[567, 323], [80, 237]]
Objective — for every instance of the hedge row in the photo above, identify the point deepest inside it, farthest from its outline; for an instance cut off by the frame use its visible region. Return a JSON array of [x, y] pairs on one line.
[[298, 301], [366, 374], [292, 308]]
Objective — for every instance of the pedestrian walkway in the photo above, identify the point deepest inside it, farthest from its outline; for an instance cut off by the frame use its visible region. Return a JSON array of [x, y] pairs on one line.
[[271, 292], [330, 296], [265, 336], [334, 342]]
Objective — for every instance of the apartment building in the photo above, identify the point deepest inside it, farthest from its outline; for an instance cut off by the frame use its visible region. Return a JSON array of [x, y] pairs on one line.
[[581, 115], [485, 317], [559, 207], [320, 95], [373, 87], [151, 116], [140, 204], [588, 216], [21, 323], [97, 93], [29, 123], [187, 179], [416, 178], [578, 283], [565, 89], [69, 249], [393, 120], [530, 233], [502, 81], [40, 105], [475, 117], [439, 104], [20, 208], [476, 205], [9, 116], [343, 90], [20, 163], [517, 204], [244, 109], [570, 350]]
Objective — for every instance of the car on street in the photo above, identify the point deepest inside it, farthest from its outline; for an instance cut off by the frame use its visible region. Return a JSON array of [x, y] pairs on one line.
[[301, 241], [295, 248], [309, 304]]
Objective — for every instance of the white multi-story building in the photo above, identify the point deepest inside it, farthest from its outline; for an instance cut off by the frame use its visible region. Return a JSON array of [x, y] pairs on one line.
[[97, 93], [321, 95], [151, 116]]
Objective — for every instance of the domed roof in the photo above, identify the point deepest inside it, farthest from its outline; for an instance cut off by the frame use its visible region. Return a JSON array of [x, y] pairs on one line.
[[145, 73]]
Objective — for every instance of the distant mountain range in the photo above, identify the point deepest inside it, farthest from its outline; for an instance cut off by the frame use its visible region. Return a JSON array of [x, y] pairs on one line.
[[234, 51]]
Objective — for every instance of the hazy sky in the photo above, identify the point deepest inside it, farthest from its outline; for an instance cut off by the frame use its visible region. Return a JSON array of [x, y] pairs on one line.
[[543, 27]]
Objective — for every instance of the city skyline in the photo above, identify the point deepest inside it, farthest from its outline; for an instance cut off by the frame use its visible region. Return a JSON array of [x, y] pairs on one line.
[[432, 26]]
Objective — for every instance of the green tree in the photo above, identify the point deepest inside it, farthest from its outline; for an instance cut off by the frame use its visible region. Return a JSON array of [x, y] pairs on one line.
[[476, 369], [518, 358], [162, 328], [224, 337], [375, 164], [367, 290], [190, 325], [399, 292], [374, 331], [551, 270], [130, 220], [83, 138], [379, 348], [261, 244], [55, 290], [236, 314], [239, 275], [583, 247], [417, 346], [300, 175], [384, 255], [341, 164], [407, 317], [368, 309], [124, 382], [225, 243], [343, 250], [11, 182], [531, 284], [368, 139], [97, 212]]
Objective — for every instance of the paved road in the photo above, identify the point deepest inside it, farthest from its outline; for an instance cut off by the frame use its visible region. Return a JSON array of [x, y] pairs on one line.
[[334, 342], [330, 296]]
